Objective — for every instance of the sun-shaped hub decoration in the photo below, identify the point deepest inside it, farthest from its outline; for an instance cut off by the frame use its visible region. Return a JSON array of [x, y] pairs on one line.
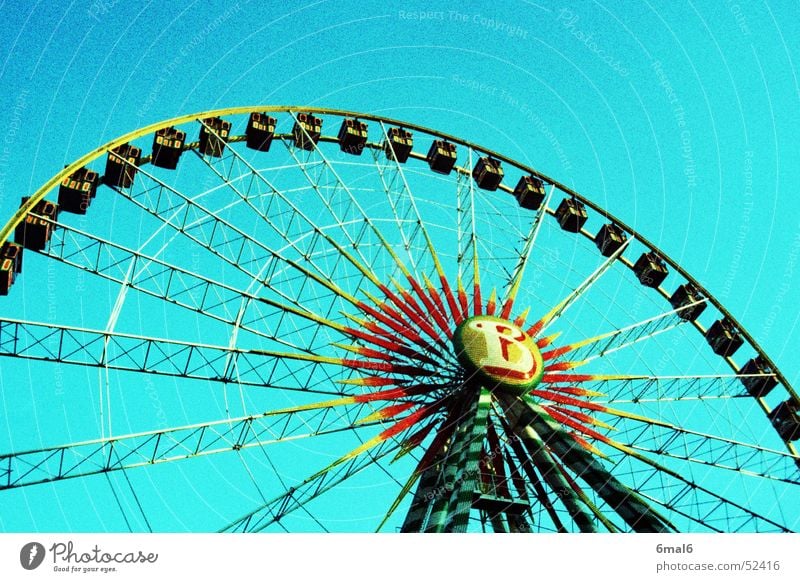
[[441, 361], [499, 353]]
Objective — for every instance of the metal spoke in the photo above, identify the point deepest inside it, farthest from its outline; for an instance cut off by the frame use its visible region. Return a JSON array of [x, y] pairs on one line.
[[663, 438], [229, 243], [596, 347], [552, 316], [297, 497], [653, 388], [143, 449], [73, 345], [303, 224], [685, 496], [515, 280], [466, 236], [171, 283], [398, 193]]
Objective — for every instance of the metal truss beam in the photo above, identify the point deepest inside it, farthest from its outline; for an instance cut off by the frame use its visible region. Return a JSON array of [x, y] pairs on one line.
[[143, 449]]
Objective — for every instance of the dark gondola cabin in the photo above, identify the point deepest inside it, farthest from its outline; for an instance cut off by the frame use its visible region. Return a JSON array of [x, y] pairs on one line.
[[10, 265], [687, 295], [651, 270], [214, 132], [399, 144], [168, 145], [260, 131], [77, 190], [529, 192], [488, 173], [724, 338], [442, 156], [306, 131], [610, 239], [352, 136], [122, 165], [786, 419], [34, 232], [571, 214], [758, 387]]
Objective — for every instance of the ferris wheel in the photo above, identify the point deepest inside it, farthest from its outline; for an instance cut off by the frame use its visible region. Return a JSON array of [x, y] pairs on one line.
[[304, 319]]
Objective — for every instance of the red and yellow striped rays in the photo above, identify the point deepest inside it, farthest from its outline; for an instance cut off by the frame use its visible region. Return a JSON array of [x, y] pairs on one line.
[[399, 348]]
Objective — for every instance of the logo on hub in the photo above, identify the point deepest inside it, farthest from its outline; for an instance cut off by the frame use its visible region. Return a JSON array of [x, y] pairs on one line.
[[499, 351]]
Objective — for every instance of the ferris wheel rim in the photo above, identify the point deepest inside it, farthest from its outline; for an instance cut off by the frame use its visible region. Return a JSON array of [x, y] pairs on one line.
[[97, 153]]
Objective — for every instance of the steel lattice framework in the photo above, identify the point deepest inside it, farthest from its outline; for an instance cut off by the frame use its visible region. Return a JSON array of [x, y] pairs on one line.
[[328, 286]]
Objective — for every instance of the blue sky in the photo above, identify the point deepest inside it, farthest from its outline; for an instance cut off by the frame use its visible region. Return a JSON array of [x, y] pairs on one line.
[[682, 119], [533, 82]]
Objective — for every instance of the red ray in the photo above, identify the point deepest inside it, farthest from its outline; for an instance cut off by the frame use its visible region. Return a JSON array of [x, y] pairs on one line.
[[395, 316], [462, 299], [561, 399], [394, 393], [389, 344], [520, 320], [574, 390], [491, 305], [546, 340], [367, 352], [560, 366], [534, 330], [579, 416], [507, 308], [374, 381], [451, 300], [396, 428], [436, 297], [387, 412], [407, 307], [408, 421], [387, 367], [554, 353], [437, 311], [391, 323], [565, 420], [569, 378]]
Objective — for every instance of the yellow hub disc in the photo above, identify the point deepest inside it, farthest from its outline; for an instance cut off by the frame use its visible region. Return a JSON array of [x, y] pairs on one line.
[[499, 352]]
